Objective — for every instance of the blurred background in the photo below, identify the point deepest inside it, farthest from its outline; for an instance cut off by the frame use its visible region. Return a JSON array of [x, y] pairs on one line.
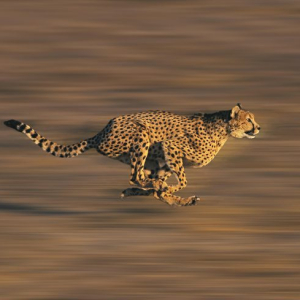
[[67, 68]]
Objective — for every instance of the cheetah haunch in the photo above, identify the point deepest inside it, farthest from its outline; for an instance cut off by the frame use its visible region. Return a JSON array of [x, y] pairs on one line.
[[157, 144]]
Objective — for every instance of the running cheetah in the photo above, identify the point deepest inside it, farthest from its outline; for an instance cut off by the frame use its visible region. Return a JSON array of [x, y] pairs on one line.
[[157, 144]]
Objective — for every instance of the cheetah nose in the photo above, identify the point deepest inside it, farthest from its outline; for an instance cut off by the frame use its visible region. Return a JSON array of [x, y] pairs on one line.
[[258, 127]]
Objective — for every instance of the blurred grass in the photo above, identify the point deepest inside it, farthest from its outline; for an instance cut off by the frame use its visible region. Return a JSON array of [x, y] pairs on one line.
[[67, 68]]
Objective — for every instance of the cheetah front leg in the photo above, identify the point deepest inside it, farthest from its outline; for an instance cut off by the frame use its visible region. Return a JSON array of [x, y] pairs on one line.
[[164, 197], [174, 200], [174, 160]]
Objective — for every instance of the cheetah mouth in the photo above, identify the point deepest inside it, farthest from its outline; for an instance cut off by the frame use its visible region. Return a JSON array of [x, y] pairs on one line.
[[250, 134]]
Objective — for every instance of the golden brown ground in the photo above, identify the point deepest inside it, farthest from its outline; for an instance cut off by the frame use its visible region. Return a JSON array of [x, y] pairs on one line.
[[67, 67]]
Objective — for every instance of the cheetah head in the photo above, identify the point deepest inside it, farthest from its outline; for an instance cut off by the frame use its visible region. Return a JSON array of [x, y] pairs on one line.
[[242, 123]]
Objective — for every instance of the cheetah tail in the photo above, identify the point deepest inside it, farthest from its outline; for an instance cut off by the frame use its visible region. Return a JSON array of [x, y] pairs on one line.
[[51, 147]]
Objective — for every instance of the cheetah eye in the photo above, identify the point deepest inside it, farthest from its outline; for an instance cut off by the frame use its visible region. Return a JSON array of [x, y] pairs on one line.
[[249, 120]]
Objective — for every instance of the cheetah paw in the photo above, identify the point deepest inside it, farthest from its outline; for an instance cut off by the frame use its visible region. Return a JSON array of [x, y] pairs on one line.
[[193, 200]]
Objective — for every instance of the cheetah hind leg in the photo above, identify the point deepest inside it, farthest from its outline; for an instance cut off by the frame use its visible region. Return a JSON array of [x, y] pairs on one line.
[[137, 192], [138, 155]]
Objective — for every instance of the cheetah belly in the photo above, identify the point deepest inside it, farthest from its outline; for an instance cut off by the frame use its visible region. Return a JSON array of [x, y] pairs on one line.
[[202, 161]]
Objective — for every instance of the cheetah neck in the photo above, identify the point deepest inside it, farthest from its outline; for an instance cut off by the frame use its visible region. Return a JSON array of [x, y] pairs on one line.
[[217, 122], [217, 128]]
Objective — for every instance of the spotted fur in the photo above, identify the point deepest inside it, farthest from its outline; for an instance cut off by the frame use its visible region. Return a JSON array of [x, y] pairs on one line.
[[157, 144]]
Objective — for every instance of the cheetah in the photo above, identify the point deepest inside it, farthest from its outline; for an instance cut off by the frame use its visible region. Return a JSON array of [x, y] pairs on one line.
[[157, 144]]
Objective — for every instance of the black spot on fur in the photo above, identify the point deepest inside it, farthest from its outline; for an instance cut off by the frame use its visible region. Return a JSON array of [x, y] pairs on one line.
[[22, 127]]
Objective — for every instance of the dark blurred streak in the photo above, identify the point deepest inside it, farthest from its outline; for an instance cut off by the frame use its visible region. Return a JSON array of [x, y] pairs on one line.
[[138, 211], [35, 210]]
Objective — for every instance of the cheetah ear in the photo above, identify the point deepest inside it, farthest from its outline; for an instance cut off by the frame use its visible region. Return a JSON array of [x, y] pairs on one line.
[[235, 111]]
